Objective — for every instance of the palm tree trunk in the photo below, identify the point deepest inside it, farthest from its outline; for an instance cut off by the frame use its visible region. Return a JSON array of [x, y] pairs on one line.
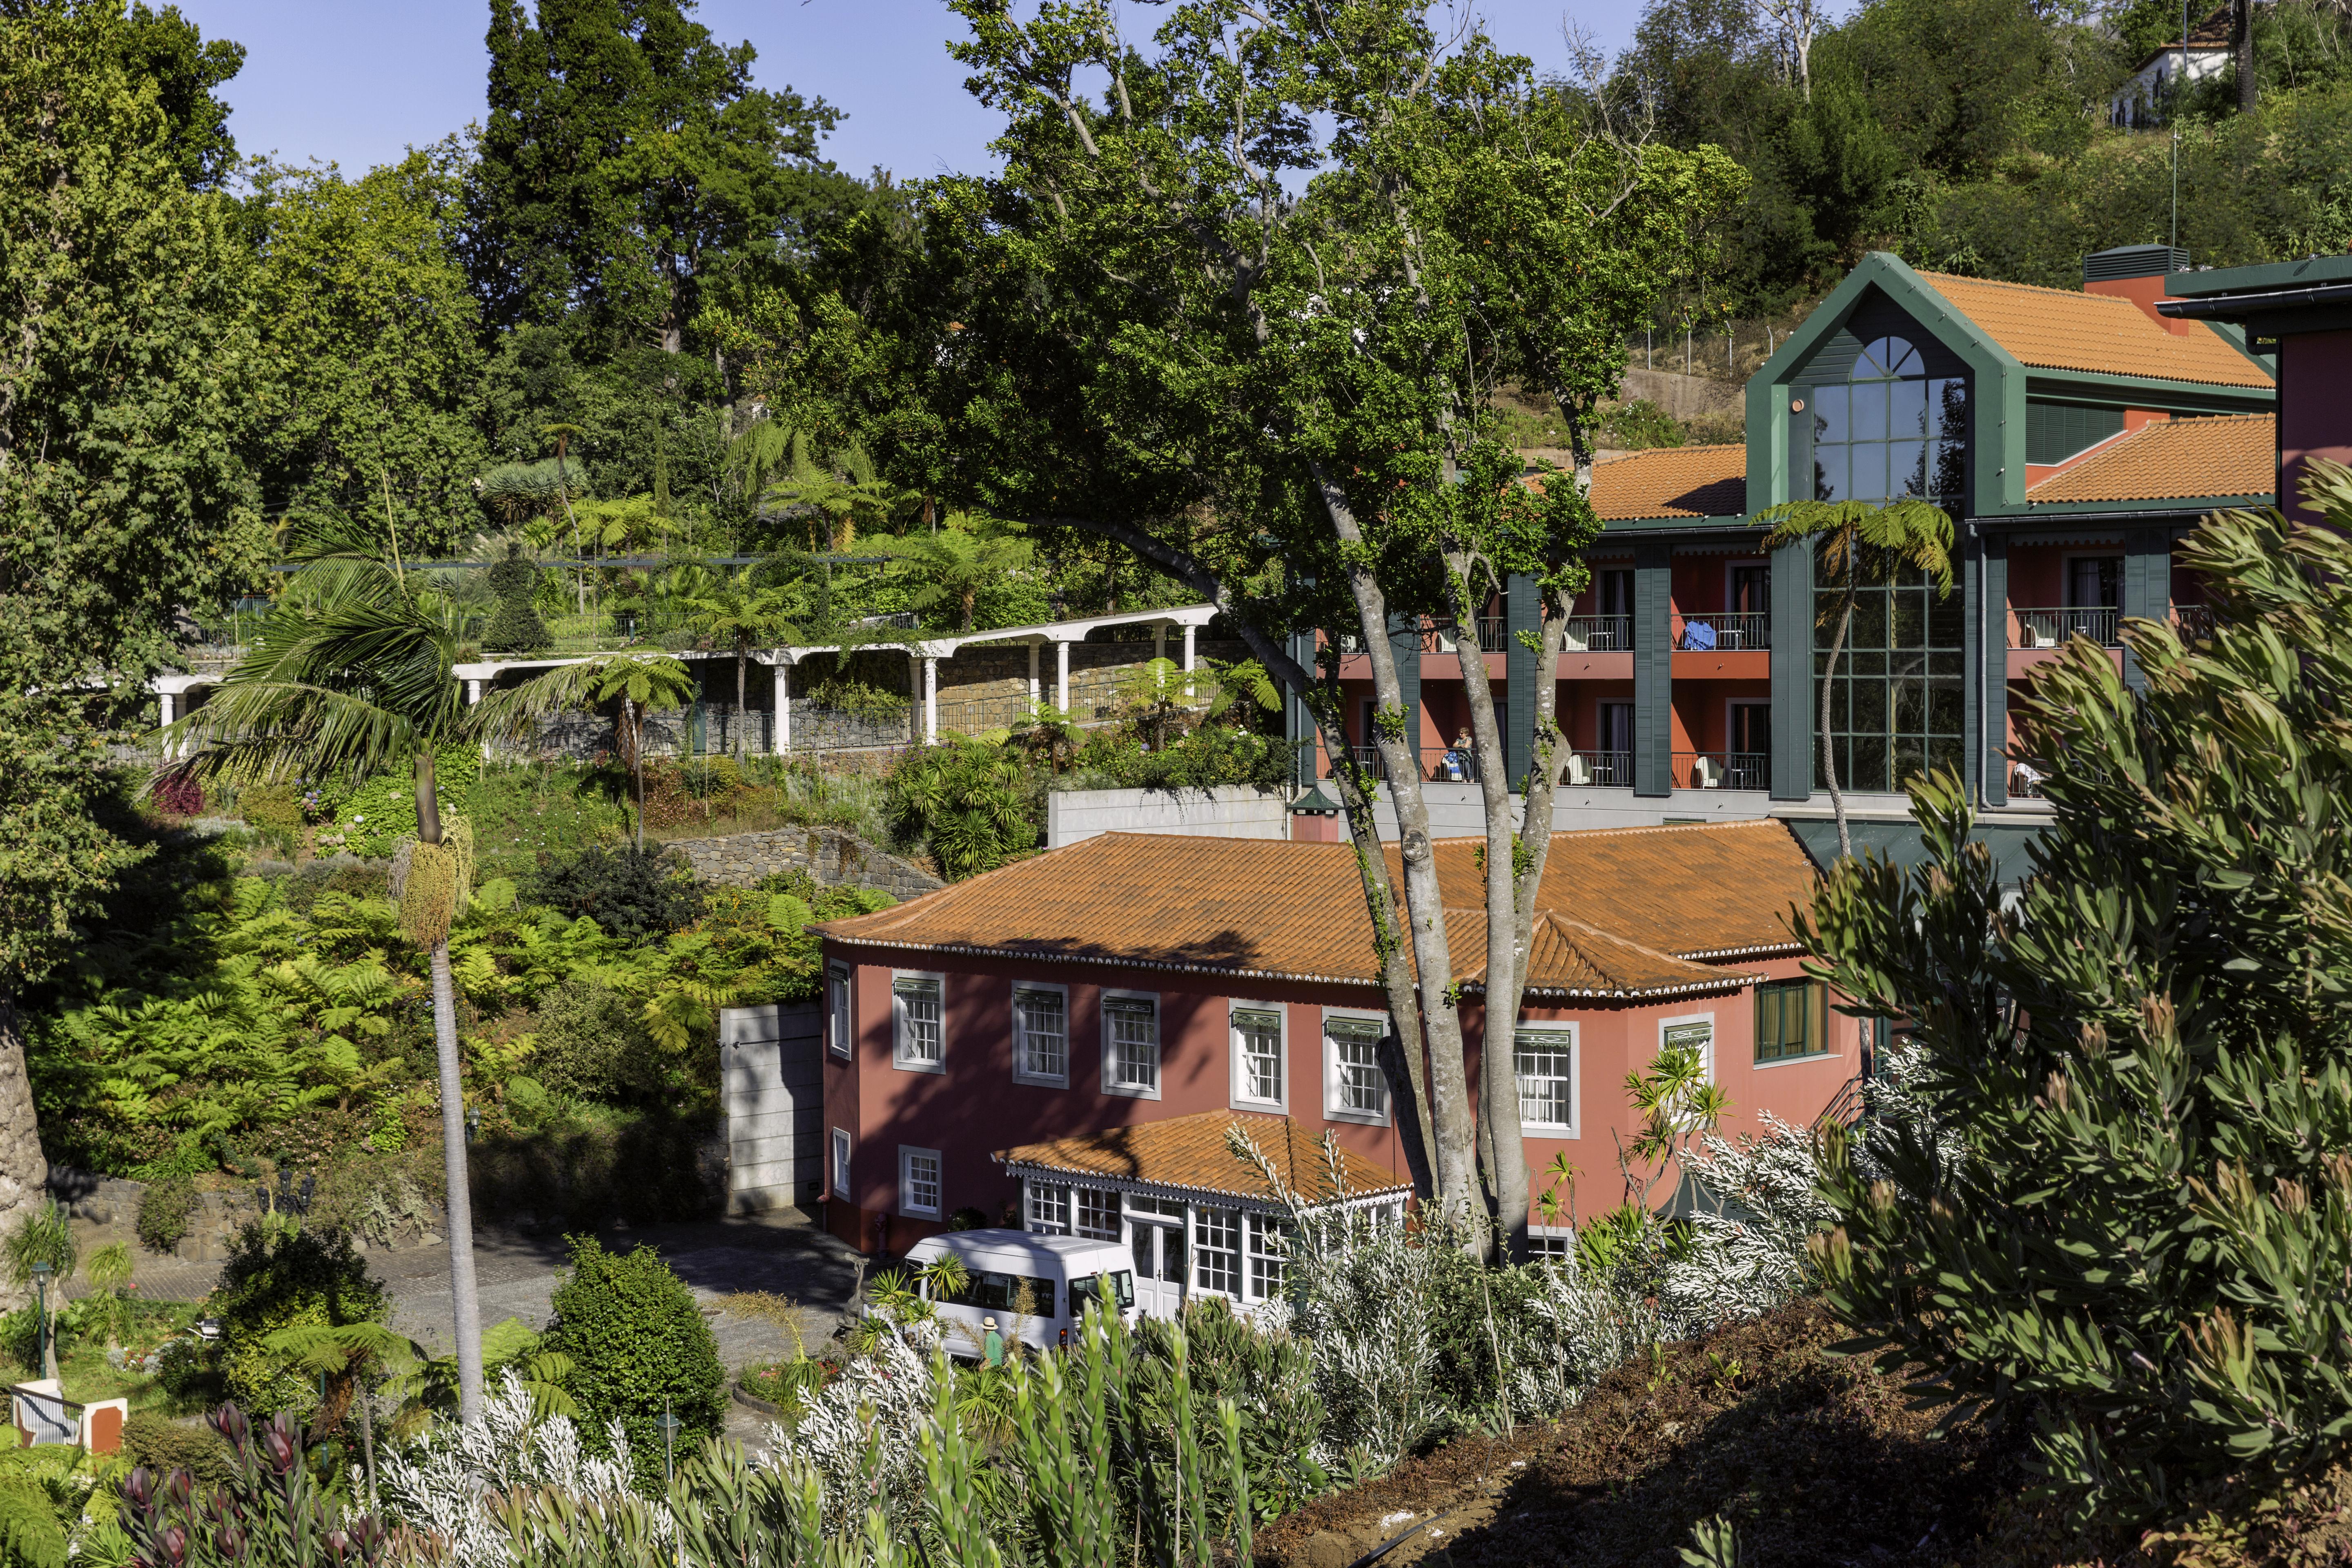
[[1829, 684], [636, 723], [743, 658], [367, 1433], [465, 1299]]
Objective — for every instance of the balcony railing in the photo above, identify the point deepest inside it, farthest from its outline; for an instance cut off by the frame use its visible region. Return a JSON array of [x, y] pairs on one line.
[[1723, 770], [2048, 628], [1599, 633], [1732, 632], [2195, 621], [1369, 759], [1599, 770]]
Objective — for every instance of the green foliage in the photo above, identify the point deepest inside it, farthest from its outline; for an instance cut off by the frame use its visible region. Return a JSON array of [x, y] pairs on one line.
[[515, 627], [163, 1444], [2129, 1215], [626, 891], [637, 1345], [30, 1534], [964, 558], [272, 1509], [974, 805], [277, 1278], [166, 1210], [374, 817], [592, 1042]]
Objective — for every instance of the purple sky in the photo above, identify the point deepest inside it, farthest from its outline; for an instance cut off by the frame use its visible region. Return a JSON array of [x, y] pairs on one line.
[[355, 84]]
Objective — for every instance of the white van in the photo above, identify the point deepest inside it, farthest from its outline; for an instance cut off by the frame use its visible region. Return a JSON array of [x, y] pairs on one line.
[[1061, 1275]]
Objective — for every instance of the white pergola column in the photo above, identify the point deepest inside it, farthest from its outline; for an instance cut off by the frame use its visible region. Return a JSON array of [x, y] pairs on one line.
[[164, 703], [1188, 661], [1160, 639], [783, 741], [1062, 678], [931, 702], [473, 692], [1033, 675]]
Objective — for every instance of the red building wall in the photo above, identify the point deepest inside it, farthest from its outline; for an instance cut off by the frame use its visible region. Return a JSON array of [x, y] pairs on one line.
[[975, 1106], [2315, 409]]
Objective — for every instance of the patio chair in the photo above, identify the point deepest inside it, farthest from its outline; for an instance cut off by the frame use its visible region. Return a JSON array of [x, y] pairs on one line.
[[1575, 772], [1708, 774], [1573, 642]]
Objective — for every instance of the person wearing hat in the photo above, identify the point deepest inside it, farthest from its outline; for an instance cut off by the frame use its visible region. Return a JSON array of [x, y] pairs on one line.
[[992, 1343]]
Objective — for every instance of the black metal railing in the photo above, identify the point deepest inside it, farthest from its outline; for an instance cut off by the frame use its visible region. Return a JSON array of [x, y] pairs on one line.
[[2048, 628], [1599, 633], [1723, 770], [1731, 632], [1602, 770]]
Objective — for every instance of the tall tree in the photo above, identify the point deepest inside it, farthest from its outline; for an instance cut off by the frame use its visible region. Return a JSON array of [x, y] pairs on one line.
[[129, 373], [1284, 403], [377, 342], [627, 153], [352, 675]]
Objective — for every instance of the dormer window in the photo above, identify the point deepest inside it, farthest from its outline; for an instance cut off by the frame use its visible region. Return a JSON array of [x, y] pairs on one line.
[[1890, 430]]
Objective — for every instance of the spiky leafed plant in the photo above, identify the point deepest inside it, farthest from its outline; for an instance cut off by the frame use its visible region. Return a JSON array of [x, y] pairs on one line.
[[1859, 540], [44, 1237], [352, 675], [639, 682], [837, 497], [520, 492]]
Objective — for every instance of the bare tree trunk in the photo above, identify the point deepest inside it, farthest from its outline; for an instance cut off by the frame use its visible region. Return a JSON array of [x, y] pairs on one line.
[[465, 1299], [636, 723], [743, 660], [367, 1434], [23, 1169], [2241, 45], [1829, 684]]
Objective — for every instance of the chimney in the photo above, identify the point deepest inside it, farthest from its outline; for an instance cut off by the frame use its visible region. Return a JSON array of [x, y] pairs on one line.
[[2136, 272]]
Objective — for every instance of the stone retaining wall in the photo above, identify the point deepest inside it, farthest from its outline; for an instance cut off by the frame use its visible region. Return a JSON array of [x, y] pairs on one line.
[[831, 855]]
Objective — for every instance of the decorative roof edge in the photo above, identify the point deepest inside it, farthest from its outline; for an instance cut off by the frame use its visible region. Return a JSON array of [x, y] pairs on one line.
[[1255, 1202]]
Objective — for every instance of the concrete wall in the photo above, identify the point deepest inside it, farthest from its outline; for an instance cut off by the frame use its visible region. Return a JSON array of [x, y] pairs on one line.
[[1229, 811], [772, 1095], [828, 854]]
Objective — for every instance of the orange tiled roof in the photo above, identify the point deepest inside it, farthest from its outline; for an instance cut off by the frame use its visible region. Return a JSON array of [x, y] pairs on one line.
[[1634, 908], [2061, 330], [2228, 455], [1671, 481], [1190, 1154]]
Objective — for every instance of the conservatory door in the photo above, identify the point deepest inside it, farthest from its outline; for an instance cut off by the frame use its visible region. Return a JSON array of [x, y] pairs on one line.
[[1158, 1264]]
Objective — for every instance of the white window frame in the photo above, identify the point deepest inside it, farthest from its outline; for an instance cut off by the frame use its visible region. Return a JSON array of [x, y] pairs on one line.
[[1243, 1100], [1056, 1220], [1256, 1228], [1714, 1034], [1334, 1106], [1202, 1216], [1562, 1240], [908, 1155], [840, 1009], [1021, 1073], [899, 1057], [1110, 1084], [839, 1174], [1569, 1031], [1103, 1196]]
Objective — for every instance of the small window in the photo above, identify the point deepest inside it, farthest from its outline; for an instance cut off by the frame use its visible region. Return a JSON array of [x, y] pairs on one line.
[[1789, 1022], [918, 1182], [919, 1023], [1257, 1055], [1546, 1063], [841, 1164], [1131, 1046], [1041, 1034], [1269, 1245], [1358, 1091], [1549, 1243], [1217, 1251], [1097, 1214], [1049, 1209], [1693, 1034], [838, 1023]]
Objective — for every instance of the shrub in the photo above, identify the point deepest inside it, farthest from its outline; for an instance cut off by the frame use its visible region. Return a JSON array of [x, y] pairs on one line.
[[516, 627], [636, 1341], [163, 1444], [631, 893], [2132, 1217], [166, 1210], [176, 794], [974, 805], [271, 807], [593, 1041], [30, 1535], [274, 1279]]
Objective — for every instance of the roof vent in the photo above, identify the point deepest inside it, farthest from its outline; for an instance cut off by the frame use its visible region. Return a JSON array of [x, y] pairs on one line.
[[2133, 261]]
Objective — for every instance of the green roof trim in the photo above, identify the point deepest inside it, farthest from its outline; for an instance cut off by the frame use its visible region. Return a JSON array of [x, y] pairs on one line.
[[2309, 272]]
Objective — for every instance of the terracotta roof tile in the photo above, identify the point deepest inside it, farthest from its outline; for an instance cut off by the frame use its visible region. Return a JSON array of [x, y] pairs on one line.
[[1191, 1153], [2229, 455], [1569, 958], [1636, 906], [1673, 482], [2058, 328]]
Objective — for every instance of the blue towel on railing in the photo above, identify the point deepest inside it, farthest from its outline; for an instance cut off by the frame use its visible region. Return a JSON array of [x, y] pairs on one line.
[[1698, 636]]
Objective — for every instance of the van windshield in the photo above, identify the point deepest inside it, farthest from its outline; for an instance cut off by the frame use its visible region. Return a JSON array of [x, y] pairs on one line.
[[1122, 1291]]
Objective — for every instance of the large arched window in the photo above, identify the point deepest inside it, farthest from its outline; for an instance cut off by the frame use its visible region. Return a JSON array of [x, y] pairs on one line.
[[1891, 430], [1895, 709]]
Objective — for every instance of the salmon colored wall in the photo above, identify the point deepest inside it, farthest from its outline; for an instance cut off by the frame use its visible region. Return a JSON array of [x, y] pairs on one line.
[[2315, 409], [1703, 713], [1579, 709], [975, 1107]]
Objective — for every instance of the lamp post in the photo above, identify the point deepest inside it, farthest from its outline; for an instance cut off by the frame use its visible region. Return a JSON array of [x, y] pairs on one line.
[[41, 1272], [668, 1425]]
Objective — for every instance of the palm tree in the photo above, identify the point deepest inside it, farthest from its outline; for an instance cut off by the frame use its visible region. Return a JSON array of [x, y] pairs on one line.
[[964, 556], [836, 497], [352, 675], [1154, 691], [733, 612], [1859, 539], [341, 1353], [637, 681]]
